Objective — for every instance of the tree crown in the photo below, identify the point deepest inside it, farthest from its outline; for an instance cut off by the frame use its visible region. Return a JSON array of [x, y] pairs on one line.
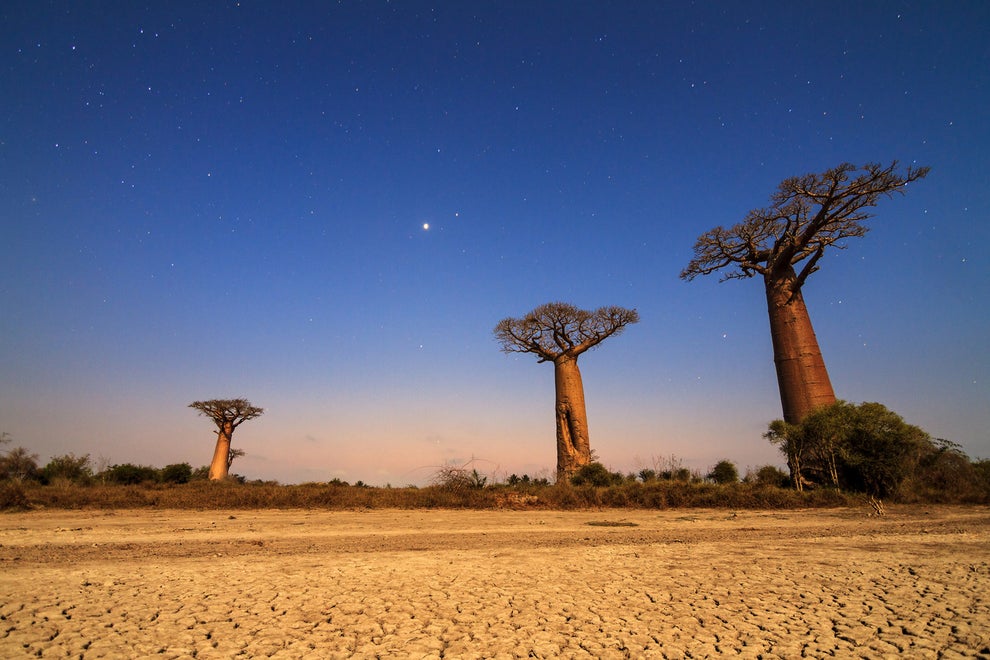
[[227, 411], [560, 329], [807, 214]]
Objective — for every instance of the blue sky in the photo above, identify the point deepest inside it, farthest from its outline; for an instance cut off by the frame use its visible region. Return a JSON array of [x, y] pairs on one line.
[[213, 200]]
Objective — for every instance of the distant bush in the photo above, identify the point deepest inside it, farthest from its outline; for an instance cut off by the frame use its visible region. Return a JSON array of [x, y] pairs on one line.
[[18, 465], [12, 496], [225, 495], [724, 472], [129, 473], [71, 468], [596, 474], [177, 473], [646, 475], [202, 473], [525, 480], [769, 475], [455, 478]]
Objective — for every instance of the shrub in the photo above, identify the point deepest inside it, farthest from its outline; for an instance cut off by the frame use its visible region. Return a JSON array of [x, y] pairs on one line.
[[177, 473], [769, 475], [724, 472], [202, 473], [129, 473], [596, 474], [456, 478], [12, 496], [18, 464], [72, 468], [646, 475]]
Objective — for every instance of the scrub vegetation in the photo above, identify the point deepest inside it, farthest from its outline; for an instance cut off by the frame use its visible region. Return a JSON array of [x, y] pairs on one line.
[[936, 472]]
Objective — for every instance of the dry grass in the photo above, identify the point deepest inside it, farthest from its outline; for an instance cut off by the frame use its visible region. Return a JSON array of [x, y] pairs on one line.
[[229, 495]]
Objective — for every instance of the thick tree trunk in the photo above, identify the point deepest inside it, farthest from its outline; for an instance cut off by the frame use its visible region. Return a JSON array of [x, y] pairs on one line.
[[573, 445], [801, 375], [218, 466]]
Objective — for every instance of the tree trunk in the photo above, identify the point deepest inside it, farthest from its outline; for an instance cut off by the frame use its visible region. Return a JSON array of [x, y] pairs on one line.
[[218, 467], [801, 375], [573, 445]]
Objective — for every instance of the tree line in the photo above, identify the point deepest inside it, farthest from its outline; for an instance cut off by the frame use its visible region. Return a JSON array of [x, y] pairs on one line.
[[825, 441]]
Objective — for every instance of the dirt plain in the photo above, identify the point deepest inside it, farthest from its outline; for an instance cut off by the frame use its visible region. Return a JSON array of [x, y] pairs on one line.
[[496, 584]]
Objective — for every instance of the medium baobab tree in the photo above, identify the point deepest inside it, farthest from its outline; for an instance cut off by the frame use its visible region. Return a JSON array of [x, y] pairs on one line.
[[784, 244], [558, 333], [227, 414]]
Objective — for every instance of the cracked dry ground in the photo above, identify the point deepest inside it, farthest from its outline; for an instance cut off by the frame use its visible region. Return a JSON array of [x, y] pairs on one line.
[[507, 584]]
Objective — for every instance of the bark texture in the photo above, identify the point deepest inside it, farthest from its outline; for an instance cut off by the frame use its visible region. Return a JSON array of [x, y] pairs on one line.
[[784, 243], [802, 377], [219, 466], [573, 438]]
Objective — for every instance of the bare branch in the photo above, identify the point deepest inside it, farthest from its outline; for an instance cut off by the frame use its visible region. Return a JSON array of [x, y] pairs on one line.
[[807, 215], [558, 329]]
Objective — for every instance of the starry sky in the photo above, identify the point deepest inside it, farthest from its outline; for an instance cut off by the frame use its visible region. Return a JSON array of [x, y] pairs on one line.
[[228, 199]]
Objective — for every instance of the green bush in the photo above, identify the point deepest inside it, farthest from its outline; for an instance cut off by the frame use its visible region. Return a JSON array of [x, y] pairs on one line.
[[128, 473], [71, 468], [177, 473], [724, 472], [596, 474], [769, 475]]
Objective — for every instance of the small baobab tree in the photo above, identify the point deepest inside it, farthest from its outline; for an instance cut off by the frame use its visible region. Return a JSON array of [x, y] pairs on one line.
[[227, 414], [558, 333], [232, 454], [784, 244]]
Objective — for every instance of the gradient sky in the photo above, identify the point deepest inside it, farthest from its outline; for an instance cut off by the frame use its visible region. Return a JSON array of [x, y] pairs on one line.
[[227, 199]]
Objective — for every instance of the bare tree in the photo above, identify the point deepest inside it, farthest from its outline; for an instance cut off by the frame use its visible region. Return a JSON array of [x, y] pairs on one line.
[[558, 333], [227, 414], [784, 243]]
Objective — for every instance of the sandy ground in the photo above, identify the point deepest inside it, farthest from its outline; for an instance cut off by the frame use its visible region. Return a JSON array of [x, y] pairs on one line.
[[469, 584]]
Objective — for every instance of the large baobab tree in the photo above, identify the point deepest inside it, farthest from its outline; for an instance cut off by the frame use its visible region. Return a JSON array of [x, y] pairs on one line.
[[784, 243], [559, 333], [227, 414]]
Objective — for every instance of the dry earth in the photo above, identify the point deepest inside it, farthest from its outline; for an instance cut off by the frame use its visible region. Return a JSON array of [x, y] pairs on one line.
[[473, 584]]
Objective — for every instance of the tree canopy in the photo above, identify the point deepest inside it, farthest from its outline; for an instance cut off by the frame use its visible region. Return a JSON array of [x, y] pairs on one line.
[[807, 215], [227, 411], [865, 448], [558, 328]]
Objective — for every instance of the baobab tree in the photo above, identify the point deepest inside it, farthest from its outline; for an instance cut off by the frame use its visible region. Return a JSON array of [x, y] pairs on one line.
[[558, 333], [784, 243], [227, 414]]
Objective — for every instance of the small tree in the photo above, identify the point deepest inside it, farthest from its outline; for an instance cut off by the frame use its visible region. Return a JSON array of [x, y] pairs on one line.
[[869, 448], [883, 450], [227, 414], [232, 454], [559, 333], [18, 465], [784, 244]]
